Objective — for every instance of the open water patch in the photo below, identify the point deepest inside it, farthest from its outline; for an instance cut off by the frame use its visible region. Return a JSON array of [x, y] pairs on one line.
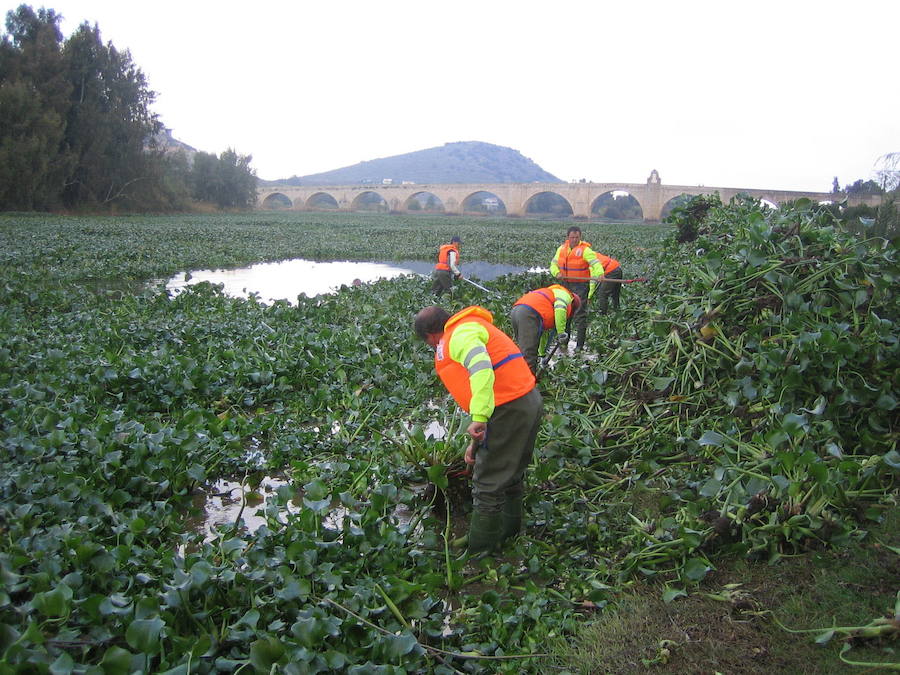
[[288, 279]]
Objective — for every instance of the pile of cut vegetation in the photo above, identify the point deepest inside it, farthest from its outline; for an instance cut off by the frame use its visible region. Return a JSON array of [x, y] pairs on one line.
[[751, 408]]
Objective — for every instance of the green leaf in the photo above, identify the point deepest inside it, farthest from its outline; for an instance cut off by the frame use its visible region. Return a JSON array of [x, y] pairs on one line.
[[711, 488], [670, 594], [401, 645], [265, 653], [116, 661], [55, 603], [437, 474], [63, 665], [825, 637], [886, 402], [892, 459], [250, 619], [143, 635], [712, 438], [696, 568], [315, 490]]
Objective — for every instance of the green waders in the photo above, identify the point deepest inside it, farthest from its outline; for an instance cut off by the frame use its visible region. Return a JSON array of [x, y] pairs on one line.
[[498, 478], [580, 317], [484, 531], [511, 517]]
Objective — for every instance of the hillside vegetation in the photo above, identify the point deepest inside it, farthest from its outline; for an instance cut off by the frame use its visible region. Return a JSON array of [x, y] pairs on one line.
[[465, 162]]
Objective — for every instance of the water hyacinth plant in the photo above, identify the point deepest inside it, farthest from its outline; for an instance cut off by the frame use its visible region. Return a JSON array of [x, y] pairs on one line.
[[742, 402]]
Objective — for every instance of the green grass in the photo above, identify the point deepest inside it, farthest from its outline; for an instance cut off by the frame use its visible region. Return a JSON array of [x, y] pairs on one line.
[[731, 623]]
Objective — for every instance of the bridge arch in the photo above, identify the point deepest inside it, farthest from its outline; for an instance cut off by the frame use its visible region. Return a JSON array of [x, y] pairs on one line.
[[425, 201], [549, 203], [677, 200], [322, 200], [617, 205], [483, 202], [369, 200], [276, 201]]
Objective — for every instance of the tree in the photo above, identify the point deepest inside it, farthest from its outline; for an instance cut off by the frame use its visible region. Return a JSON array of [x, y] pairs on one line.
[[888, 173], [227, 181], [109, 121], [861, 187], [33, 103]]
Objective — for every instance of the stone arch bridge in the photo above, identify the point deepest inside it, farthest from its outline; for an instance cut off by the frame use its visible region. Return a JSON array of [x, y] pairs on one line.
[[512, 198]]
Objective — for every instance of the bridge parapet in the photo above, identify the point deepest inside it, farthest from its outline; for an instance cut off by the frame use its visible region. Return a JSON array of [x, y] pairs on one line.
[[652, 197]]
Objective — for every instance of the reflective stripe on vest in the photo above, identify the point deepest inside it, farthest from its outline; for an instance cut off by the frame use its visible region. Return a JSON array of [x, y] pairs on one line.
[[512, 376]]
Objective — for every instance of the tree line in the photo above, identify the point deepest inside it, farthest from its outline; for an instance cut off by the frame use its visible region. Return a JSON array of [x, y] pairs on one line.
[[77, 131]]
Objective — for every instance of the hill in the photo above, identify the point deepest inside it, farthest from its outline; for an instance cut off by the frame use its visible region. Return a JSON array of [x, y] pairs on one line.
[[169, 144], [462, 162]]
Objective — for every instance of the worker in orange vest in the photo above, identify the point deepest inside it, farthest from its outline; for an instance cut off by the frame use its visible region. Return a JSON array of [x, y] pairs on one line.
[[581, 269], [484, 371], [447, 267], [540, 314]]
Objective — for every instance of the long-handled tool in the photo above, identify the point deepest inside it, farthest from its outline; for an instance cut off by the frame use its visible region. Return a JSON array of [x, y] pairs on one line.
[[479, 286], [605, 279], [546, 360]]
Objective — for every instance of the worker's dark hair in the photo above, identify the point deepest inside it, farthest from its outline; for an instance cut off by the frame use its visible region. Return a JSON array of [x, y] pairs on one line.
[[573, 228], [430, 320], [456, 240]]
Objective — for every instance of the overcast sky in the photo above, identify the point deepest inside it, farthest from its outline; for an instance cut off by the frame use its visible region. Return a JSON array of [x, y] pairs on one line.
[[762, 94]]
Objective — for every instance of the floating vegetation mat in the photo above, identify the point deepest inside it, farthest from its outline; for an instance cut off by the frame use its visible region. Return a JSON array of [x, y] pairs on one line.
[[743, 401]]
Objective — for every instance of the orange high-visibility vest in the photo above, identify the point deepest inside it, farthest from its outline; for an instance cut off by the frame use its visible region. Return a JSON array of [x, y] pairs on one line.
[[512, 376], [609, 264], [443, 262], [542, 300], [571, 261]]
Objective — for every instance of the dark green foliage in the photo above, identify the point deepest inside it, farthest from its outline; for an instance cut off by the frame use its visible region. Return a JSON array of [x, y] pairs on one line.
[[618, 208], [689, 216], [742, 402], [77, 130], [227, 181], [108, 122], [34, 101]]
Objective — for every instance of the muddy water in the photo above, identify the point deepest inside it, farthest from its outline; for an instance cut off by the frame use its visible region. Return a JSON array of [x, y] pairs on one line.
[[225, 503], [288, 279]]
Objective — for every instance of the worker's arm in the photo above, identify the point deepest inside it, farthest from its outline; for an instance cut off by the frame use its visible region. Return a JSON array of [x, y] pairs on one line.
[[451, 260], [596, 269], [554, 266], [468, 346], [561, 300]]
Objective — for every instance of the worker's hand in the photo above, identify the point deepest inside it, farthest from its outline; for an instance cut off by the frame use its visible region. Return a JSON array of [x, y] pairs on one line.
[[476, 431], [459, 276], [562, 339], [470, 452]]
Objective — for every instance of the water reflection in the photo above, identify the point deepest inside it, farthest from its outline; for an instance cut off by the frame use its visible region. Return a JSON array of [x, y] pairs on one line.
[[288, 279]]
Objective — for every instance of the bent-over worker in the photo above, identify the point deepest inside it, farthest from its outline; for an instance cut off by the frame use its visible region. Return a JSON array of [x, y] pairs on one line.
[[538, 315], [484, 371]]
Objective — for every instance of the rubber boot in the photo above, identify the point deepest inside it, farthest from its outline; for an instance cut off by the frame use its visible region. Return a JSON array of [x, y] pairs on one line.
[[511, 517], [580, 336], [484, 531]]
